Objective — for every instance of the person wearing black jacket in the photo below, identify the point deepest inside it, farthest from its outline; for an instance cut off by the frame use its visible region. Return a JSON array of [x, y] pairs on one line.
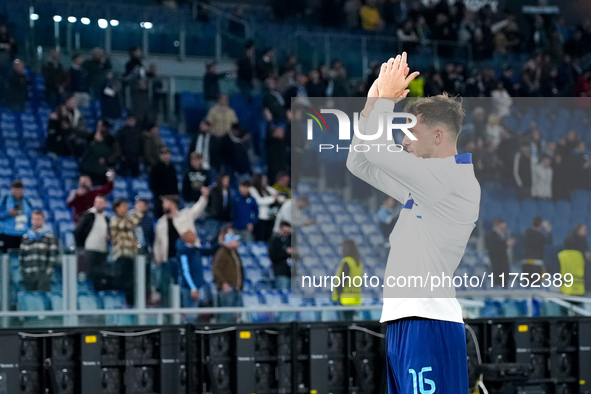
[[246, 71], [274, 101], [577, 240], [522, 170], [234, 148], [279, 253], [219, 206], [92, 234], [53, 76], [496, 244], [208, 146], [211, 84], [130, 141], [276, 148], [195, 178], [163, 180], [534, 239], [16, 97]]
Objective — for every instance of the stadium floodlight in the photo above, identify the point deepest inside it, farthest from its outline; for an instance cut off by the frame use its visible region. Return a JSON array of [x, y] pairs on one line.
[[57, 18], [72, 19], [103, 23], [114, 22], [146, 25], [34, 17], [85, 21]]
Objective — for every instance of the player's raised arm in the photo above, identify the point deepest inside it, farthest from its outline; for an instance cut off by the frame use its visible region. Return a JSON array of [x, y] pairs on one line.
[[408, 169], [358, 164]]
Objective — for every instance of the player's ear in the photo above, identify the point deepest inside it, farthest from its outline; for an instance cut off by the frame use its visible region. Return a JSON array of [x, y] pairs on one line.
[[438, 136]]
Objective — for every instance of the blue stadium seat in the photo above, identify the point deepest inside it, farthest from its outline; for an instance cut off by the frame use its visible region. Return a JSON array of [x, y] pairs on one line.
[[88, 301], [32, 301], [56, 300]]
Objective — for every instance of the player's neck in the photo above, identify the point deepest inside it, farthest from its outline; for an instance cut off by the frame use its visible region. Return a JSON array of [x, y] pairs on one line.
[[445, 151]]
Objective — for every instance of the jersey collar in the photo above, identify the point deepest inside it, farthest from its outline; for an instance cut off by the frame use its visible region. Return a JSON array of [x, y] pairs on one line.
[[464, 158]]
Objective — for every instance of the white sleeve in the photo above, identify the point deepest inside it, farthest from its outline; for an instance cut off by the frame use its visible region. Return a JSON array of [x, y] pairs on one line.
[[363, 169], [409, 174]]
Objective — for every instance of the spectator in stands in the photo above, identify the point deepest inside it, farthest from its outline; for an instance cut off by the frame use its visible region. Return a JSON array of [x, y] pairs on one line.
[[53, 77], [293, 213], [8, 45], [269, 202], [39, 253], [234, 149], [219, 208], [141, 103], [195, 178], [247, 71], [575, 47], [145, 230], [129, 138], [211, 84], [338, 74], [522, 170], [169, 227], [92, 234], [236, 28], [406, 34], [109, 97], [577, 165], [18, 83], [158, 93], [577, 240], [534, 239], [80, 135], [496, 244], [163, 179], [315, 87], [59, 133], [8, 48], [277, 155], [221, 117], [100, 154], [370, 16], [228, 273], [134, 68], [351, 266], [195, 292], [82, 199], [208, 146], [245, 212], [151, 145], [274, 101], [282, 184], [280, 251], [97, 68], [387, 217], [125, 245], [77, 81], [351, 10], [541, 185], [265, 66], [15, 213]]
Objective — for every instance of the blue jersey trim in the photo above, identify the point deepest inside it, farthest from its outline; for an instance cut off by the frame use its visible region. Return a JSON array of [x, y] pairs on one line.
[[464, 158]]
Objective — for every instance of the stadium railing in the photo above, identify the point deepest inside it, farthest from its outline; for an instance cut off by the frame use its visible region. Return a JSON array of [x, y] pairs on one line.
[[76, 305]]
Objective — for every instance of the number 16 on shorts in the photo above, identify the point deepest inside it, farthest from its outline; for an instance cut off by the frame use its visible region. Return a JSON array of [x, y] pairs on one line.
[[422, 381]]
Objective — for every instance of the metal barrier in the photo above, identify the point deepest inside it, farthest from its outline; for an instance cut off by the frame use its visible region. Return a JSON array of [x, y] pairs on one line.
[[471, 301]]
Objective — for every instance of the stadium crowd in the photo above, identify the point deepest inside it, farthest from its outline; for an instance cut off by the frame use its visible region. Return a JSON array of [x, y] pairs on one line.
[[221, 194]]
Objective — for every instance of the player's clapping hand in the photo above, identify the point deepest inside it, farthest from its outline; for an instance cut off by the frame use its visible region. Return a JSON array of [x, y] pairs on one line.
[[394, 78]]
